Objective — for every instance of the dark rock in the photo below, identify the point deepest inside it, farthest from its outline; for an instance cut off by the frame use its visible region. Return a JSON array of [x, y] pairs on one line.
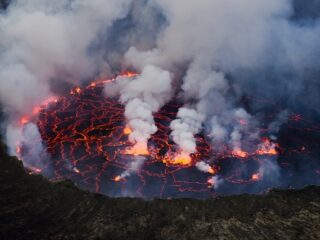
[[31, 207]]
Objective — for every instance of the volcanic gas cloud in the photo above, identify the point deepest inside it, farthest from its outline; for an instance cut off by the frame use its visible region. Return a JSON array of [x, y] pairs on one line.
[[221, 96]]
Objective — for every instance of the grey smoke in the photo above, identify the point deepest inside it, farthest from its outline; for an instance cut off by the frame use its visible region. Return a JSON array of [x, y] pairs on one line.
[[187, 124], [215, 182], [134, 166], [35, 155], [42, 39], [230, 38]]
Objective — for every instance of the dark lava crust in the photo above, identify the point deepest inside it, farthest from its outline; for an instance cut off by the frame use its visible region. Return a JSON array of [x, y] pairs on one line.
[[33, 208]]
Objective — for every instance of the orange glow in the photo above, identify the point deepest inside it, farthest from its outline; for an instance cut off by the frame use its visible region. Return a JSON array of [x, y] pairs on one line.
[[36, 110], [129, 74], [239, 153], [44, 104], [49, 100], [76, 90], [24, 120], [138, 149], [270, 151], [267, 148], [35, 170], [212, 171], [179, 159], [117, 179], [255, 177], [127, 130], [18, 149], [210, 181]]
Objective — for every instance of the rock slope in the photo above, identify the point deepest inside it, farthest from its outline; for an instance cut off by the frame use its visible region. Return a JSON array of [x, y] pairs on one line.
[[33, 208]]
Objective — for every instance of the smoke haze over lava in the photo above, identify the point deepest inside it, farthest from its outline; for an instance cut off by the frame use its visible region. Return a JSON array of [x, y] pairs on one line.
[[163, 98]]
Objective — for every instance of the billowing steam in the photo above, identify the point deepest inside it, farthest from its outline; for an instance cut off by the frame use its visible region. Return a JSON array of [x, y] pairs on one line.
[[142, 96], [185, 127], [30, 138], [212, 55], [42, 42], [215, 182]]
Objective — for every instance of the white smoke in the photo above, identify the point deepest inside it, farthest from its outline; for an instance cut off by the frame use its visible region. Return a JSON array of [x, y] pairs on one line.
[[203, 167], [28, 138], [269, 171], [134, 166], [224, 39], [214, 42], [189, 120], [215, 182], [216, 38], [43, 40], [187, 124], [142, 96], [274, 126]]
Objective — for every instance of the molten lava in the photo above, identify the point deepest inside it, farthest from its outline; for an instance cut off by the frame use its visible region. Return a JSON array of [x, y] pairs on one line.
[[139, 149], [256, 177], [87, 139], [267, 147], [240, 153], [127, 130], [182, 158]]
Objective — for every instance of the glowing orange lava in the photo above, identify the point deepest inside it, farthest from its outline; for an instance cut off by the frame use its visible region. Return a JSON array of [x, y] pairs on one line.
[[76, 90], [182, 158], [240, 153], [117, 179], [127, 130], [24, 120], [87, 134], [255, 177], [139, 149], [212, 171], [129, 74], [267, 148]]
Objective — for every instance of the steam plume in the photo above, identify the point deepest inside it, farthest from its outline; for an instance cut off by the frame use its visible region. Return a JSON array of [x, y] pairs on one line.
[[142, 96]]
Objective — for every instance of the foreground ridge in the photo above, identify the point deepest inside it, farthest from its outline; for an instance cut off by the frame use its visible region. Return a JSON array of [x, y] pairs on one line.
[[33, 208]]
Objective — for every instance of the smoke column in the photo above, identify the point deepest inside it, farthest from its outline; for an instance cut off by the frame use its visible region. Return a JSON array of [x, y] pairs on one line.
[[142, 97]]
